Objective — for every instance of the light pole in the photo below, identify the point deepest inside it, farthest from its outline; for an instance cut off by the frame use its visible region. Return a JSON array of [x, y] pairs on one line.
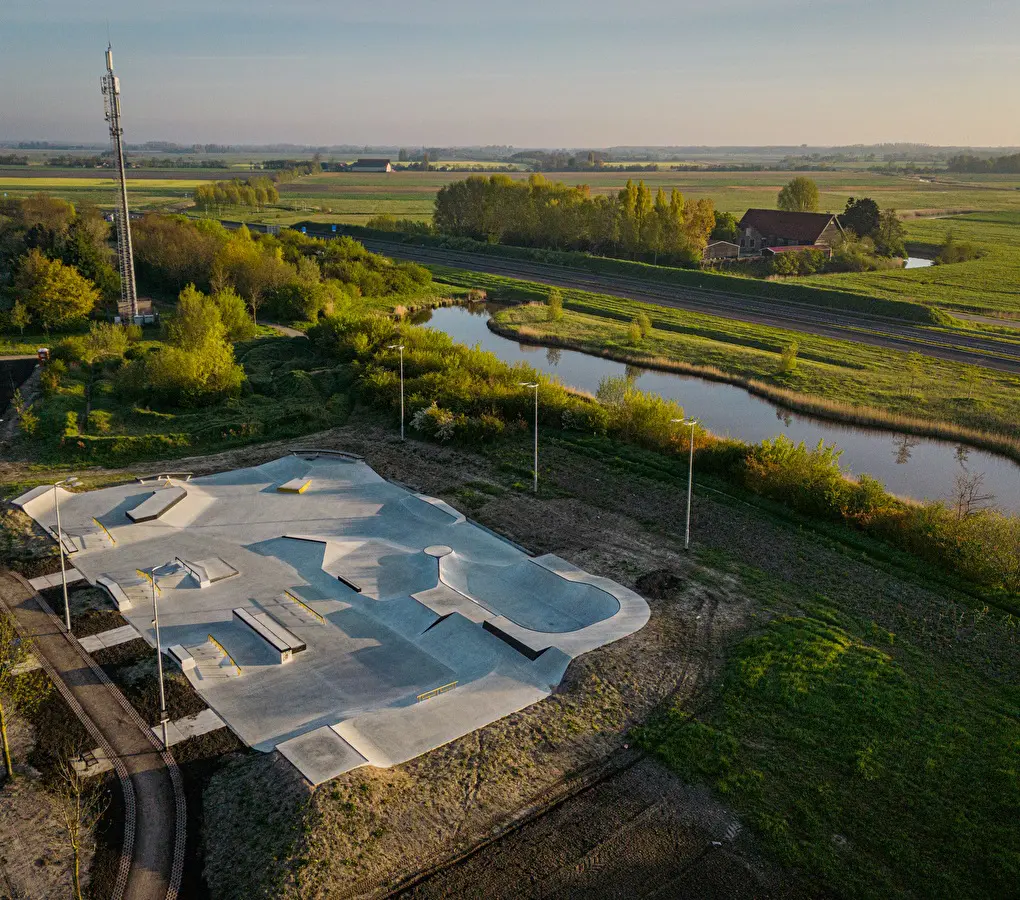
[[690, 479], [159, 657], [400, 347], [70, 482], [534, 385]]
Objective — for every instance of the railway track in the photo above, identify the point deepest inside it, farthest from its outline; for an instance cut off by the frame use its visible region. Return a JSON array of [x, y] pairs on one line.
[[879, 331]]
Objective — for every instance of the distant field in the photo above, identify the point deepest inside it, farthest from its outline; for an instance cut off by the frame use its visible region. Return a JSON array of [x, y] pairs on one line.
[[353, 197], [987, 286]]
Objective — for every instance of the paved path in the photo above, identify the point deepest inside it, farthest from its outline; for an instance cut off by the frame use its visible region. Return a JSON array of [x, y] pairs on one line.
[[990, 351], [285, 330], [151, 832]]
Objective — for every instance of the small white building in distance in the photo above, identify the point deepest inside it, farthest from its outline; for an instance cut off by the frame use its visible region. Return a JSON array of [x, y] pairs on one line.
[[372, 165]]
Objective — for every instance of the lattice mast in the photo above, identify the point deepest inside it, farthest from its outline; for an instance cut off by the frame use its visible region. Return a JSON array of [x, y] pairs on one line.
[[111, 101]]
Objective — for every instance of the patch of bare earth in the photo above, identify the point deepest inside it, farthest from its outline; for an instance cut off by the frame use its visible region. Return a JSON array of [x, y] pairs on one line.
[[34, 855]]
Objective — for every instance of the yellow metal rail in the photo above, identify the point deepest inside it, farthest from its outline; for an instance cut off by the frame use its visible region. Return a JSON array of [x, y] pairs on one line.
[[223, 650], [105, 529], [149, 579], [436, 691], [304, 606]]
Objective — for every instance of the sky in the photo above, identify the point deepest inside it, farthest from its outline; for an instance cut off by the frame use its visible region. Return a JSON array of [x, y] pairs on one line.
[[531, 73]]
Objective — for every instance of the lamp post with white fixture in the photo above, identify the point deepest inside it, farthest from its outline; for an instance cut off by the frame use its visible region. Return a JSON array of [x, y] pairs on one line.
[[400, 347], [690, 479], [534, 385], [163, 718], [70, 482]]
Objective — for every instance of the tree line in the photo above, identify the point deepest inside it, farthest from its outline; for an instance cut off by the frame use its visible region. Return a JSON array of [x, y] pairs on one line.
[[1003, 165], [254, 192], [634, 223]]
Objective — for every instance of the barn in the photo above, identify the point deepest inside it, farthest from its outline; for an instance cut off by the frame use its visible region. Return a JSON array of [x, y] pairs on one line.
[[372, 165], [774, 228]]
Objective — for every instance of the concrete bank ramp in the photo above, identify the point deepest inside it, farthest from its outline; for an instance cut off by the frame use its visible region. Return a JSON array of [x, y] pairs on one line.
[[160, 501], [529, 594], [379, 569]]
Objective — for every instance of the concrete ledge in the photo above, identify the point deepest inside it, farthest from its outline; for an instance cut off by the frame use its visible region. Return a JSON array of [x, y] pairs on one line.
[[294, 486], [157, 504], [207, 572], [181, 656], [282, 642], [116, 592]]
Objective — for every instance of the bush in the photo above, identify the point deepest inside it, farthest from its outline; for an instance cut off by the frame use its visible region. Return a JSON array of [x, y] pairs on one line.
[[133, 333], [49, 379], [788, 359], [634, 333], [555, 305], [645, 324], [99, 421]]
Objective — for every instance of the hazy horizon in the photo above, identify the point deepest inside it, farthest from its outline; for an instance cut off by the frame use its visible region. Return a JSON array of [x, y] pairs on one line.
[[569, 74]]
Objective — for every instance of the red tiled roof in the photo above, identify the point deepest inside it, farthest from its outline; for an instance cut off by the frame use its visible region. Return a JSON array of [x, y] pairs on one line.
[[802, 227]]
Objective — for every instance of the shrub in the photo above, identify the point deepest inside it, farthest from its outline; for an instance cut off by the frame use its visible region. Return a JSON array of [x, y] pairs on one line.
[[788, 359], [99, 421], [49, 379], [634, 333], [555, 305], [645, 324], [133, 333]]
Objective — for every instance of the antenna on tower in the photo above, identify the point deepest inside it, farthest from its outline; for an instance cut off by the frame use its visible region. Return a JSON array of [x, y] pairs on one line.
[[128, 307]]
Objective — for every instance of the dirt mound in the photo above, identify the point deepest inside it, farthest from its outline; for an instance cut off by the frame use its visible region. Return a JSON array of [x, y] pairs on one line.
[[660, 584]]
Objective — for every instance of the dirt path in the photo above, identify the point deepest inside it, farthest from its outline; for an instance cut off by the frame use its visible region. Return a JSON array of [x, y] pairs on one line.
[[152, 830]]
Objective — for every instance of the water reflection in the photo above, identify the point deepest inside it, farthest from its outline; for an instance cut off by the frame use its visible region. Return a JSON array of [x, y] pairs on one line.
[[917, 467]]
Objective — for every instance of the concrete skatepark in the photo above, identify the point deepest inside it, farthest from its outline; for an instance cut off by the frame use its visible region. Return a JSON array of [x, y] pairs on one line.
[[325, 612]]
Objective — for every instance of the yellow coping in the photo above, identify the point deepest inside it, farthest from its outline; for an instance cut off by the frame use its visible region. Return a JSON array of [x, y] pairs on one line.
[[304, 605], [107, 530], [223, 650], [300, 490], [148, 578], [436, 691]]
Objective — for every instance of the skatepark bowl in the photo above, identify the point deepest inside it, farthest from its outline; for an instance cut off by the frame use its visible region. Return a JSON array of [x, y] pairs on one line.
[[350, 622]]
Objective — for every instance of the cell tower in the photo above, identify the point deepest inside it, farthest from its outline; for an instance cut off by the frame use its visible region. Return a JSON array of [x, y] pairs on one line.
[[128, 308]]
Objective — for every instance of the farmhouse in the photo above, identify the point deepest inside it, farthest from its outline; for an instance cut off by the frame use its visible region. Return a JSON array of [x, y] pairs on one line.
[[762, 229], [372, 165]]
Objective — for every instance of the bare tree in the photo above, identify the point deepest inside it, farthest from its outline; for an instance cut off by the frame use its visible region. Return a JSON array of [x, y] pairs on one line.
[[80, 803], [967, 497], [13, 653]]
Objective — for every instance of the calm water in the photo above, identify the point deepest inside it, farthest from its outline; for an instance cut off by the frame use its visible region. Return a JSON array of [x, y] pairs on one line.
[[909, 466]]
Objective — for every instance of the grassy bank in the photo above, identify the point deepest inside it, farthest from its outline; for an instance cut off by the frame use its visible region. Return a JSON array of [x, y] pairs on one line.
[[989, 286], [881, 763], [834, 379]]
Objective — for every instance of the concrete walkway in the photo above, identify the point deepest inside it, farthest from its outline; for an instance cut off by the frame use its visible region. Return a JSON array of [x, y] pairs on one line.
[[156, 806]]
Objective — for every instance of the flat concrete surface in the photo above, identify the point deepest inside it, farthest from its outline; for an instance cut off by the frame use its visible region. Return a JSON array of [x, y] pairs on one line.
[[389, 590], [321, 754], [155, 823], [110, 638], [189, 727], [54, 580]]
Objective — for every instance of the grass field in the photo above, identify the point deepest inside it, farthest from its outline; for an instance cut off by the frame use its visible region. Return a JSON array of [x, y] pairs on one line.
[[353, 197], [986, 286]]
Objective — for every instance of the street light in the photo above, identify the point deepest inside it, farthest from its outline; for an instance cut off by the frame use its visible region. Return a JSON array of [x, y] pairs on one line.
[[534, 385], [70, 482], [151, 575], [400, 347], [690, 479]]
